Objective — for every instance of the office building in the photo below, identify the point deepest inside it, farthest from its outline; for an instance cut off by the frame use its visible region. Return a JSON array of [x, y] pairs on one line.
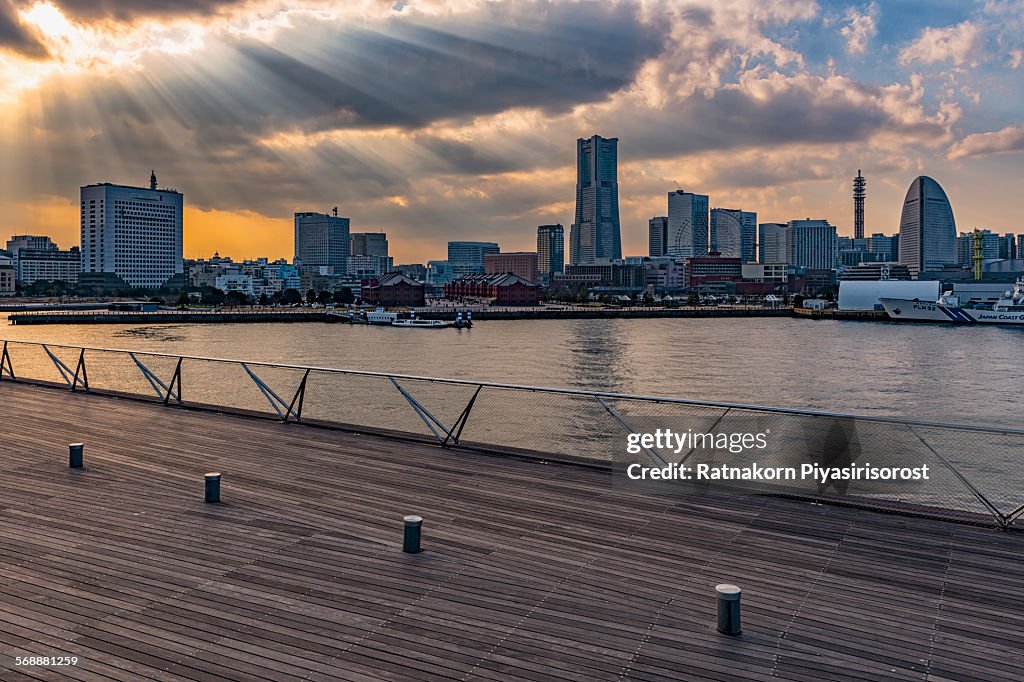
[[657, 236], [771, 243], [734, 233], [927, 228], [1008, 247], [131, 236], [439, 273], [550, 250], [322, 241], [812, 244], [885, 246], [7, 282], [369, 244], [688, 224], [594, 235], [467, 258], [991, 245], [521, 263], [37, 259]]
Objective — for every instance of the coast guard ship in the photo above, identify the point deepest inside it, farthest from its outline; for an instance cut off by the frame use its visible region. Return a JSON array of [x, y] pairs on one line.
[[1009, 309]]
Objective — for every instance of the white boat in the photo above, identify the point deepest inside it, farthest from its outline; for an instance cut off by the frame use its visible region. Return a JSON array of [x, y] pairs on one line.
[[422, 324], [381, 316], [1009, 309]]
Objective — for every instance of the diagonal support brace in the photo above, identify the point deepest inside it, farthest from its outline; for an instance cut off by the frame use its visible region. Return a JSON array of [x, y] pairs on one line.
[[432, 422], [276, 401], [653, 454]]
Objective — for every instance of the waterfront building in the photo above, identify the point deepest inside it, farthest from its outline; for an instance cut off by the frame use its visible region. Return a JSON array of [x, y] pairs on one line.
[[875, 271], [657, 236], [322, 241], [37, 259], [550, 250], [595, 234], [131, 236], [616, 275], [522, 263], [1020, 246], [765, 272], [393, 290], [771, 243], [505, 289], [688, 224], [369, 244], [811, 244], [235, 282], [467, 258], [664, 272], [734, 233], [927, 228], [713, 269], [8, 285]]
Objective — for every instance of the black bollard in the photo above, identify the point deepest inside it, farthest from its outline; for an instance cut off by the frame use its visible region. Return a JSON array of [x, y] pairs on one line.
[[411, 540], [75, 455], [213, 487], [728, 609]]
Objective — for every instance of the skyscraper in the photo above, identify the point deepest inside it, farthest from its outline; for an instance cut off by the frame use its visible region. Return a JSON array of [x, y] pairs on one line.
[[812, 244], [595, 234], [687, 224], [131, 235], [657, 236], [550, 249], [927, 228], [771, 243], [467, 258], [369, 244], [734, 233], [322, 240]]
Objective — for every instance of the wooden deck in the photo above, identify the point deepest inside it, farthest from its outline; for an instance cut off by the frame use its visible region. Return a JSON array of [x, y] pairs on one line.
[[533, 571]]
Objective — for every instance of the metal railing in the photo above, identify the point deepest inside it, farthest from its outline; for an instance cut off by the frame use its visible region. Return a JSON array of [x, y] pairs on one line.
[[976, 470]]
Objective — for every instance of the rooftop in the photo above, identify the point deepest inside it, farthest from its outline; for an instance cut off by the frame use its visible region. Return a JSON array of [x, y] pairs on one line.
[[532, 570]]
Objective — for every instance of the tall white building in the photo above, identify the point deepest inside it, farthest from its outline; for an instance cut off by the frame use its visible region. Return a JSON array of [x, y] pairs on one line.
[[131, 235], [812, 244], [734, 233], [687, 225]]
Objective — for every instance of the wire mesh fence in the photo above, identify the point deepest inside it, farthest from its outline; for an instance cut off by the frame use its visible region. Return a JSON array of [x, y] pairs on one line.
[[973, 471]]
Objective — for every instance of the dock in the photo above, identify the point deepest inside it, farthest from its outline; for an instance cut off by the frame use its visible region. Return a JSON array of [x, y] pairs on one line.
[[243, 315], [532, 569]]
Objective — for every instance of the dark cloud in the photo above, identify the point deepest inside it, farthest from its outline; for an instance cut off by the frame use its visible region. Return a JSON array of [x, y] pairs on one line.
[[128, 10], [15, 36]]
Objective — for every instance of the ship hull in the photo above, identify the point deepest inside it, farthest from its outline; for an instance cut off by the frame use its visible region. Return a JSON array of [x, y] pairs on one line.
[[904, 310]]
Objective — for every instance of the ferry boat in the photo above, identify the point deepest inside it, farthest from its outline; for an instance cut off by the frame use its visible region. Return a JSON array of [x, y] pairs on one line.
[[380, 316], [1009, 309], [422, 324]]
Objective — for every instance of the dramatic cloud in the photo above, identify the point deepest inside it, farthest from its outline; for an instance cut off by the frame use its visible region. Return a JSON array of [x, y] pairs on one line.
[[1009, 139], [438, 119], [957, 44], [17, 37]]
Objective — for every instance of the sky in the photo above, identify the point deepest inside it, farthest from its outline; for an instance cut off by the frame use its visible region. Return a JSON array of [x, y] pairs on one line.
[[435, 120]]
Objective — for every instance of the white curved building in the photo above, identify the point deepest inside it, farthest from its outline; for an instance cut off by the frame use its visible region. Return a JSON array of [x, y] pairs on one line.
[[927, 228]]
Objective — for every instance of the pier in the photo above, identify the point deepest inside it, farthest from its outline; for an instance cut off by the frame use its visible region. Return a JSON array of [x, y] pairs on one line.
[[242, 315], [532, 569]]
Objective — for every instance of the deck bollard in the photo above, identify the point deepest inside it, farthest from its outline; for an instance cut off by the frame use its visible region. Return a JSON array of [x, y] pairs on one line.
[[411, 540], [213, 487], [728, 609], [75, 455]]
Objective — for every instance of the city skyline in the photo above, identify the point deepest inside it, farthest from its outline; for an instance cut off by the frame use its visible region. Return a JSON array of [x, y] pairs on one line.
[[773, 109]]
